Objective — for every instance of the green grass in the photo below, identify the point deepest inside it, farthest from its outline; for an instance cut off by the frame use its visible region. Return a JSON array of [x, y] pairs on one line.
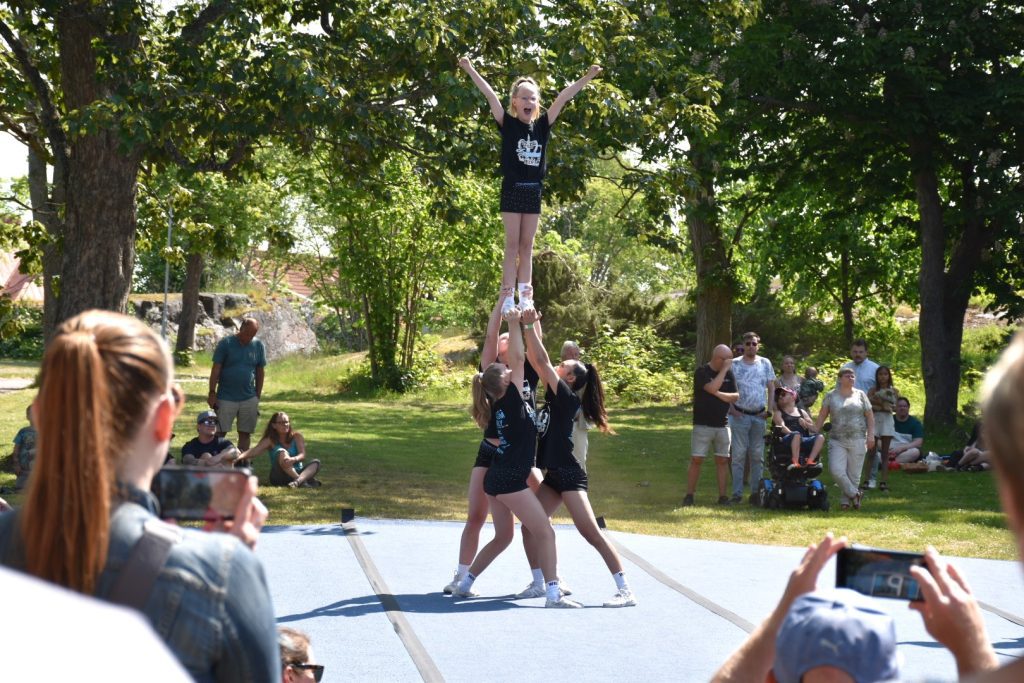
[[409, 457]]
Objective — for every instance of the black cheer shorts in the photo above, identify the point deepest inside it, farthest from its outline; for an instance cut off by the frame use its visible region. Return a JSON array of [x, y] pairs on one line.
[[485, 455], [566, 479], [499, 480], [520, 197]]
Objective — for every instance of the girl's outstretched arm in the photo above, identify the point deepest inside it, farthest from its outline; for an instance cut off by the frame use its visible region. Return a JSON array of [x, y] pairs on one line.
[[489, 351], [516, 353], [535, 351], [563, 97], [497, 111]]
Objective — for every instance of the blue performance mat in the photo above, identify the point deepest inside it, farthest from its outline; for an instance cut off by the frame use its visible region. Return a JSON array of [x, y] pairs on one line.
[[369, 595]]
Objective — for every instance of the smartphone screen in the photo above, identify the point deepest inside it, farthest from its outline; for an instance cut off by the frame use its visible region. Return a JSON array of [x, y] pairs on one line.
[[877, 572], [199, 493]]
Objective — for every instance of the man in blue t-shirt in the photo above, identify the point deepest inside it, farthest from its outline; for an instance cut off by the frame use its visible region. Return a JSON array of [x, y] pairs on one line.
[[236, 381]]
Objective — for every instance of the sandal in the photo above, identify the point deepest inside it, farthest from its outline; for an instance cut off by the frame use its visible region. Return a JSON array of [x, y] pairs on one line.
[[883, 486]]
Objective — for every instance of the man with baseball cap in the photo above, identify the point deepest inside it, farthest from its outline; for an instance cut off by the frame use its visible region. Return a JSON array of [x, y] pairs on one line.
[[208, 449]]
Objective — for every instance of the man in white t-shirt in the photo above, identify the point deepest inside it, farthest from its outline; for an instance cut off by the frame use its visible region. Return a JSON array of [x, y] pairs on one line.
[[863, 367], [755, 378]]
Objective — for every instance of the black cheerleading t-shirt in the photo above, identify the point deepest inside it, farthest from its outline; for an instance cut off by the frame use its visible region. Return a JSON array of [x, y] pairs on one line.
[[517, 432], [556, 444], [524, 148], [531, 377]]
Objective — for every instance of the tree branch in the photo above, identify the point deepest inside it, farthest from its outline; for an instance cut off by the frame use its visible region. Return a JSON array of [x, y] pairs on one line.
[[195, 32], [50, 117], [22, 134], [238, 154], [14, 200]]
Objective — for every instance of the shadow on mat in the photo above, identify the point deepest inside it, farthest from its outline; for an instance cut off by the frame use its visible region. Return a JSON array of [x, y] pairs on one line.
[[412, 603], [318, 530]]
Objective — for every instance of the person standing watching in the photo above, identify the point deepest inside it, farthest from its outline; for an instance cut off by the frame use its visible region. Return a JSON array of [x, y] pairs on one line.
[[714, 390], [236, 381], [864, 368], [755, 380]]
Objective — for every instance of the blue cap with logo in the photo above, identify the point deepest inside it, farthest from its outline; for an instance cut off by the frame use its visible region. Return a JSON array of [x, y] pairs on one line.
[[839, 628]]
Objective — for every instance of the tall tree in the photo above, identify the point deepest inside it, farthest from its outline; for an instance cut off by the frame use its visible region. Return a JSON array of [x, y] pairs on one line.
[[926, 97]]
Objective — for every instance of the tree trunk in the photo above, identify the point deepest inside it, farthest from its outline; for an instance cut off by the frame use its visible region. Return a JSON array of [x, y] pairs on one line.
[[944, 294], [98, 252], [190, 303], [847, 303], [45, 212], [712, 260]]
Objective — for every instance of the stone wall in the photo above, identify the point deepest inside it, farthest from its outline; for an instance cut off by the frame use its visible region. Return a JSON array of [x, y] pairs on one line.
[[283, 328]]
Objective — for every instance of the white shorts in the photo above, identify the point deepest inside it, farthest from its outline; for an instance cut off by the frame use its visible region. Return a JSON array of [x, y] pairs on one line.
[[703, 437], [247, 412]]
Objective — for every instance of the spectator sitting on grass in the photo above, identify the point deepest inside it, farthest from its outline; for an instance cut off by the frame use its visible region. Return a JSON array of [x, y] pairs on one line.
[[909, 434], [24, 455], [208, 449], [817, 635], [287, 451]]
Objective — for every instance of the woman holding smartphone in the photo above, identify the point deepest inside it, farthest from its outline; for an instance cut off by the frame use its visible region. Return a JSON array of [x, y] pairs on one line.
[[105, 412]]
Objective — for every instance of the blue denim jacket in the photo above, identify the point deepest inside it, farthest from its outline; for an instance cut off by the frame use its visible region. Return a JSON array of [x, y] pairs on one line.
[[210, 604]]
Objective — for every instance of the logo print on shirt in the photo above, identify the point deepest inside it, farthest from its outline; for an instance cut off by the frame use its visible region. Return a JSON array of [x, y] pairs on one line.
[[529, 151]]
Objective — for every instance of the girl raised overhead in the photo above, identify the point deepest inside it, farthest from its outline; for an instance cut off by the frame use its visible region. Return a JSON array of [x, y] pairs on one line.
[[524, 140]]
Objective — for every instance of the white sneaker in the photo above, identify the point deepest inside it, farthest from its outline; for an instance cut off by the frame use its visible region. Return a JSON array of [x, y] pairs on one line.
[[872, 483], [507, 305], [453, 586], [563, 588], [468, 593], [525, 302], [624, 598], [564, 603], [531, 591]]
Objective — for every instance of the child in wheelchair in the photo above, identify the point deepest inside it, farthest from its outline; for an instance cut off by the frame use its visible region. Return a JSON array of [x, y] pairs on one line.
[[791, 432]]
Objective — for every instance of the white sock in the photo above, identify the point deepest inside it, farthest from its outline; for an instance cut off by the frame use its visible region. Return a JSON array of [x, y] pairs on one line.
[[538, 577], [462, 570], [466, 582], [620, 580], [523, 286], [553, 590]]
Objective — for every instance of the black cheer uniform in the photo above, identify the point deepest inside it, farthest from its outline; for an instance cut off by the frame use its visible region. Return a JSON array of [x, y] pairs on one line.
[[564, 471]]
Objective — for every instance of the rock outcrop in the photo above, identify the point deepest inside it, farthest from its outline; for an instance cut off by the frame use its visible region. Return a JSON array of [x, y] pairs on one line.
[[284, 328]]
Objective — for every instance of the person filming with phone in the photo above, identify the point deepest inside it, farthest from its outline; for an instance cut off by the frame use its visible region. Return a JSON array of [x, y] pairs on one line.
[[105, 411]]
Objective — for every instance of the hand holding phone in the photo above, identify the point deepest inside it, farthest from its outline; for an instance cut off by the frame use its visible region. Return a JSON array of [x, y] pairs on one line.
[[199, 493], [879, 573]]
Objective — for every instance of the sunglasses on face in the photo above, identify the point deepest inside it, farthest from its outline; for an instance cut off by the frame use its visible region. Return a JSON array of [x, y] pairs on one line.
[[317, 669], [751, 344], [208, 422]]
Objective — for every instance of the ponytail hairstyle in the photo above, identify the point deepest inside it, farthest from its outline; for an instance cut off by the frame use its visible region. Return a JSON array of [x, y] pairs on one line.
[[100, 375], [486, 388], [592, 398]]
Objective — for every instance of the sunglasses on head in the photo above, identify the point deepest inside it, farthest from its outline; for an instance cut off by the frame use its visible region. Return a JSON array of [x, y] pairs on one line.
[[317, 669]]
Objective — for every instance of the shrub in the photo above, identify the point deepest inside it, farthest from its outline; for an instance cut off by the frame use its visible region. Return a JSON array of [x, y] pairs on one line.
[[21, 330], [637, 365]]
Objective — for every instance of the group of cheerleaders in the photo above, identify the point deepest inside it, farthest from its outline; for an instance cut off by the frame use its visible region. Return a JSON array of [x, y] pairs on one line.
[[520, 441]]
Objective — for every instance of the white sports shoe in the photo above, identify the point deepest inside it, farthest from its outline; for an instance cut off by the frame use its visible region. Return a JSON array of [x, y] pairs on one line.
[[507, 305], [468, 593], [563, 588], [564, 603], [453, 586], [531, 591], [624, 598]]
